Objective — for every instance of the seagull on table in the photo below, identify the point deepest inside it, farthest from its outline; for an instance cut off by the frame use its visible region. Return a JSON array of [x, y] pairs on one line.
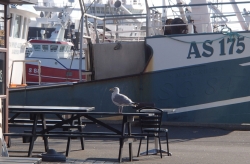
[[121, 100]]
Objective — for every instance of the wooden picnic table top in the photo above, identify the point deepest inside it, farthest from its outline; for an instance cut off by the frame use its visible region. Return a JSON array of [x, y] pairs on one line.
[[18, 160], [66, 110], [51, 108]]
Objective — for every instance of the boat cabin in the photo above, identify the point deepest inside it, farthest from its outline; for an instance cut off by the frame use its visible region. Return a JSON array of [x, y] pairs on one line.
[[17, 42], [50, 49]]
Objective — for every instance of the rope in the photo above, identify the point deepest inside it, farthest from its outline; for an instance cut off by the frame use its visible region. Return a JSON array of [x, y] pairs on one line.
[[232, 35], [192, 41]]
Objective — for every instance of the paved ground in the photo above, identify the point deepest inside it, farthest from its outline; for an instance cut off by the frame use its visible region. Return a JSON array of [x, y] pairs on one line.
[[188, 145]]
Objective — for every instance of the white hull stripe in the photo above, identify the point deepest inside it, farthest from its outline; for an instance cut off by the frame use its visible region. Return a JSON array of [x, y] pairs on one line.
[[53, 77], [245, 64], [211, 105]]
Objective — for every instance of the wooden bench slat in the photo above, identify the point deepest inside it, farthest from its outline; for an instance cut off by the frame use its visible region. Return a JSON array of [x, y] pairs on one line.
[[91, 135], [84, 121], [18, 134], [18, 160], [77, 132], [39, 125], [74, 134], [24, 120]]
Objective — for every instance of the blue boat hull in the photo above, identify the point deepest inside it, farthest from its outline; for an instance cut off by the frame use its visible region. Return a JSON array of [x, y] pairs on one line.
[[209, 93]]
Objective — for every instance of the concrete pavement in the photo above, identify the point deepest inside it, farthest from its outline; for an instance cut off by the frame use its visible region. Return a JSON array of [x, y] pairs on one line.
[[188, 145]]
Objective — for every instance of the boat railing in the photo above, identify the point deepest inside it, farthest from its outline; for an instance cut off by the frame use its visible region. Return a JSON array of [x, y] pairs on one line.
[[125, 35], [211, 18], [53, 4], [106, 35], [204, 25], [155, 23], [24, 72], [48, 39], [213, 15]]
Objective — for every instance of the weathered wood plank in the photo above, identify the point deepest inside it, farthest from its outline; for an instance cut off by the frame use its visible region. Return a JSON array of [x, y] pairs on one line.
[[15, 160]]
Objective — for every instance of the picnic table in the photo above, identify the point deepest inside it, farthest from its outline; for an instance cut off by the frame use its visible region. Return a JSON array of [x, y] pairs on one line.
[[76, 113], [38, 112]]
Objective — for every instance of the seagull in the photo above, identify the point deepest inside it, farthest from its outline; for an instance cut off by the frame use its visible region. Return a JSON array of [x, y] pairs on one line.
[[120, 99]]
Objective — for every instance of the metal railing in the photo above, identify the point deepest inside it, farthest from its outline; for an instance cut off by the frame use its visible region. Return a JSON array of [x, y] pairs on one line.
[[211, 16], [24, 69], [116, 33], [53, 4]]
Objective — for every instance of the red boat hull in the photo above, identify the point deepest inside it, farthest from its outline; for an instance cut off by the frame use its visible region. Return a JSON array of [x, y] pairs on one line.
[[51, 75]]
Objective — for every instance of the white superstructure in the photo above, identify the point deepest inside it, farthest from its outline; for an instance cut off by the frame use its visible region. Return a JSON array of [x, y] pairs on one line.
[[18, 43]]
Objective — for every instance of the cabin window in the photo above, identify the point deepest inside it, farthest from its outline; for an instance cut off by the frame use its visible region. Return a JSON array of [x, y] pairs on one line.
[[53, 48], [98, 10], [24, 28], [37, 47], [102, 10], [108, 11], [92, 9], [45, 48], [66, 49], [11, 15], [62, 48], [17, 26]]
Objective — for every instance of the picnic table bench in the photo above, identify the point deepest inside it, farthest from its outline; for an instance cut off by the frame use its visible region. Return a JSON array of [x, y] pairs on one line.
[[70, 134], [76, 114]]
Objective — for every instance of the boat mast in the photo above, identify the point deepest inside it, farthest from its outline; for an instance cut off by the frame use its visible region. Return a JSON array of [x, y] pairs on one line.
[[83, 9], [147, 17], [81, 2], [239, 16], [182, 12], [164, 12]]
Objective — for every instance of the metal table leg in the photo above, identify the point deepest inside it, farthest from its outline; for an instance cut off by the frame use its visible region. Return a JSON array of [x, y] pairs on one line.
[[45, 139], [156, 149], [32, 140]]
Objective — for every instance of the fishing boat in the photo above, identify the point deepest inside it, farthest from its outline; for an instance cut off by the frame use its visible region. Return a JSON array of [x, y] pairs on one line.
[[17, 43], [195, 61], [54, 41], [58, 62]]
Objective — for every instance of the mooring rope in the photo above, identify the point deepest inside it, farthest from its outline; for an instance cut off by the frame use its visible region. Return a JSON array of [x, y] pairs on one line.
[[229, 34]]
